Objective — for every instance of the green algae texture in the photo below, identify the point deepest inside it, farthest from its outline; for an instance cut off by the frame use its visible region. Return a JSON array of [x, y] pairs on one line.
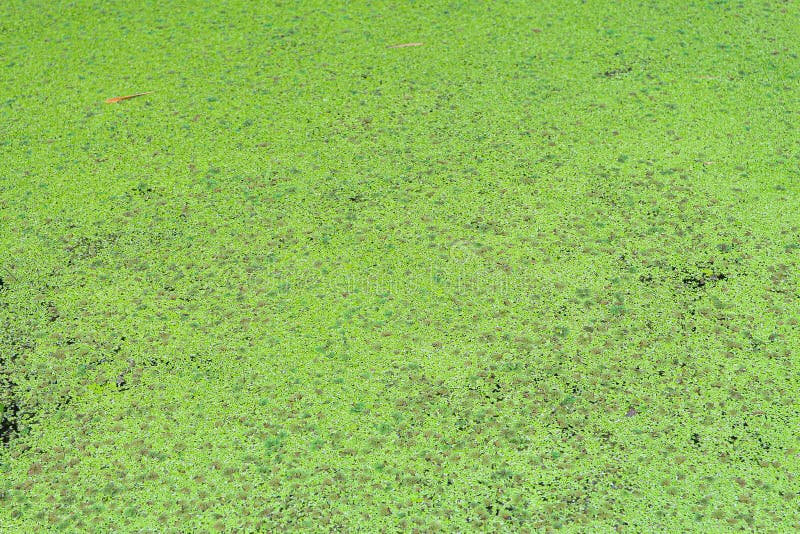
[[538, 273]]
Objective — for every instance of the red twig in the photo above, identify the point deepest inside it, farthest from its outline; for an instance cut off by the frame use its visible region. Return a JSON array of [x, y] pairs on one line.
[[121, 98]]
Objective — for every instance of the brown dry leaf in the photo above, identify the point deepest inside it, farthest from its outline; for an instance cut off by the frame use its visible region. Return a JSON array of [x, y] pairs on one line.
[[405, 45], [121, 98]]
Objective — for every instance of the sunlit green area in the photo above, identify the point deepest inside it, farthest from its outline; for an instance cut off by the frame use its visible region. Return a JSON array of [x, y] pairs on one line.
[[536, 272]]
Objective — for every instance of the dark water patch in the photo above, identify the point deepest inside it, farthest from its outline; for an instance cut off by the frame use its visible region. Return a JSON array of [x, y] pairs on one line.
[[616, 72], [9, 425], [700, 281]]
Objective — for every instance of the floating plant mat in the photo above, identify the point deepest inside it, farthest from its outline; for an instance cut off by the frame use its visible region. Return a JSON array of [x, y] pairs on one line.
[[382, 266]]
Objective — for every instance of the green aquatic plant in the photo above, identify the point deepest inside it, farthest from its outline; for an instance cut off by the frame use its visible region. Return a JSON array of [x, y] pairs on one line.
[[536, 272]]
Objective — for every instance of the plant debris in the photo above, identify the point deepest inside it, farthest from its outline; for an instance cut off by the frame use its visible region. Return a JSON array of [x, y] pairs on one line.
[[116, 99]]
